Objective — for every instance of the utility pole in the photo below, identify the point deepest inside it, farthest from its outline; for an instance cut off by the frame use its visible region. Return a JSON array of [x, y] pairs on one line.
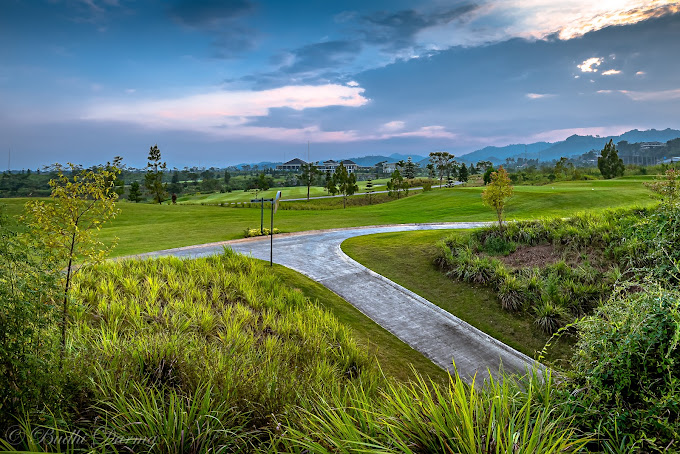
[[9, 159]]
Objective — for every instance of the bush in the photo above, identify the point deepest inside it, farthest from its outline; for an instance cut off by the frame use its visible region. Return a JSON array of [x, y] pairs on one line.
[[625, 369], [248, 232]]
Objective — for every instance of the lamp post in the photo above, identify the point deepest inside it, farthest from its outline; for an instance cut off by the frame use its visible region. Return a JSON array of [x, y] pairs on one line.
[[275, 205]]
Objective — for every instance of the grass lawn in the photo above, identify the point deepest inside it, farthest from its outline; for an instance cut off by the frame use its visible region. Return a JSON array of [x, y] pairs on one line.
[[407, 259], [395, 356], [294, 192], [148, 227]]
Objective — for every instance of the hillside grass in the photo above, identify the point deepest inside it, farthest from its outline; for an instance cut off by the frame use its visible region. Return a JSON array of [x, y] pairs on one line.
[[148, 227], [407, 258]]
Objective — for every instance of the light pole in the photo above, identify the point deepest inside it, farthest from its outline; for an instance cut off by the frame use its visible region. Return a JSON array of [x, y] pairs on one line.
[[275, 205]]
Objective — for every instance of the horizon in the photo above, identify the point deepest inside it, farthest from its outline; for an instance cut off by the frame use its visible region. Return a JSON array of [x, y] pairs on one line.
[[224, 83]]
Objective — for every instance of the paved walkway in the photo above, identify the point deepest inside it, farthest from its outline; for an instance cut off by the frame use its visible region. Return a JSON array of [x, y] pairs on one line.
[[427, 328]]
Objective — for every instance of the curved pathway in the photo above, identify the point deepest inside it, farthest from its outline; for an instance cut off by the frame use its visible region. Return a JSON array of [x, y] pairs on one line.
[[437, 334]]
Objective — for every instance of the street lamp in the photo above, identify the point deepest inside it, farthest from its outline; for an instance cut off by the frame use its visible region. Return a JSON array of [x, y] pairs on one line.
[[274, 206]]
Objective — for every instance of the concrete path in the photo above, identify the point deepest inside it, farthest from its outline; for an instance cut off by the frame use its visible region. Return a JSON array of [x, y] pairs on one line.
[[427, 328]]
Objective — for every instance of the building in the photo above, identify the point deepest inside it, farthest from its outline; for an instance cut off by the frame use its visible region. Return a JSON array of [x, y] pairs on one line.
[[331, 166], [651, 145], [293, 165], [389, 167]]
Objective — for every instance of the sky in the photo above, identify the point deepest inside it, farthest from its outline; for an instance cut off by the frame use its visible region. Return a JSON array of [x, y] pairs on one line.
[[216, 83]]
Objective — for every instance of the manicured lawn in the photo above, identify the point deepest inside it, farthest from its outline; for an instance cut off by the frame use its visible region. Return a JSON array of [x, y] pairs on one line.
[[407, 259], [147, 227], [395, 357], [294, 192]]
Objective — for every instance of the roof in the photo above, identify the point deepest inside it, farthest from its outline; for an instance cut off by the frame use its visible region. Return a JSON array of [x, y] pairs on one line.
[[347, 161], [296, 161]]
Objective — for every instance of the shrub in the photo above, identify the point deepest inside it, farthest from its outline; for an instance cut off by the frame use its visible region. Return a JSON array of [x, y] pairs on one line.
[[549, 317], [248, 232], [626, 368], [511, 294]]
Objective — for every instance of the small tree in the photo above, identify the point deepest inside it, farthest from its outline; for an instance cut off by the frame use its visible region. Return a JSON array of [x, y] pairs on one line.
[[69, 226], [346, 182], [369, 190], [134, 194], [609, 163], [430, 170], [667, 187], [410, 169], [497, 192], [487, 175], [263, 183], [153, 180], [441, 161], [463, 174], [397, 184], [331, 183], [308, 175]]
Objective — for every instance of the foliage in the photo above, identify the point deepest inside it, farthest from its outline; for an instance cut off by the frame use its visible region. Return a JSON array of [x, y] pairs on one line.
[[308, 175], [134, 194], [487, 175], [153, 179], [397, 184], [441, 160], [68, 225], [28, 336], [331, 183], [609, 163], [497, 192], [667, 187], [410, 169], [463, 173], [249, 233], [504, 416], [369, 190], [626, 368], [345, 182], [263, 183]]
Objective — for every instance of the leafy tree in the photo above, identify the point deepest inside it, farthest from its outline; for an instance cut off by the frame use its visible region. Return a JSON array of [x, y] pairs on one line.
[[134, 194], [227, 177], [263, 183], [331, 184], [497, 192], [308, 176], [153, 180], [463, 174], [397, 184], [346, 183], [410, 169], [369, 190], [487, 175], [441, 161], [28, 338], [175, 186], [69, 226], [667, 187], [609, 163], [430, 170]]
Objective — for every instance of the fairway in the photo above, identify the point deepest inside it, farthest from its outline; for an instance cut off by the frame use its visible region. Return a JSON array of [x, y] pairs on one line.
[[293, 192], [148, 227]]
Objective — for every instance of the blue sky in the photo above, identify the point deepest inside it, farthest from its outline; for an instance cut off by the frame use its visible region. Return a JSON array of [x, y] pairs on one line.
[[223, 82]]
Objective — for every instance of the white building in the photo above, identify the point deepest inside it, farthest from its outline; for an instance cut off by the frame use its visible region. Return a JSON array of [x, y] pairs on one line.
[[293, 165]]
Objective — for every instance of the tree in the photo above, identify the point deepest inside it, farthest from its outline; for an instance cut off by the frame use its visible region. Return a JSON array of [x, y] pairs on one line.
[[134, 195], [397, 184], [153, 180], [308, 176], [441, 160], [227, 177], [369, 190], [609, 163], [69, 226], [497, 192], [463, 174], [410, 169], [331, 184], [430, 170], [175, 186], [487, 175], [263, 183], [346, 182]]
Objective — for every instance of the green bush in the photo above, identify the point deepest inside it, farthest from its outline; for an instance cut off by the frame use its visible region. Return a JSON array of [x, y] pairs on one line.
[[248, 232], [625, 369]]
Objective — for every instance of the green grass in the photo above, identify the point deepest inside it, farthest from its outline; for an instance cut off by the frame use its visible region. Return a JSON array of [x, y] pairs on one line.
[[147, 227], [407, 258], [292, 192]]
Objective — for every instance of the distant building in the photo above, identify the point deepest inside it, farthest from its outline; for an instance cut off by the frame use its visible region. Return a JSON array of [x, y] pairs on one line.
[[389, 167], [331, 166], [651, 145], [292, 166], [670, 160]]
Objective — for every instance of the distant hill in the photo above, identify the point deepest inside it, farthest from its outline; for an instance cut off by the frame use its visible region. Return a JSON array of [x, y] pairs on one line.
[[572, 146]]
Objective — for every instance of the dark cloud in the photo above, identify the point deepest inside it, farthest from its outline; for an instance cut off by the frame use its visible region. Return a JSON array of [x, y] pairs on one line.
[[319, 56], [234, 42], [397, 30], [209, 13]]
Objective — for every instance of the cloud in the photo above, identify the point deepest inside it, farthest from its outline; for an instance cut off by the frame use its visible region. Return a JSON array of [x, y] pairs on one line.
[[587, 65], [611, 72], [224, 113], [429, 132], [640, 73], [321, 56], [661, 95], [556, 135], [353, 83], [538, 95], [392, 126]]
